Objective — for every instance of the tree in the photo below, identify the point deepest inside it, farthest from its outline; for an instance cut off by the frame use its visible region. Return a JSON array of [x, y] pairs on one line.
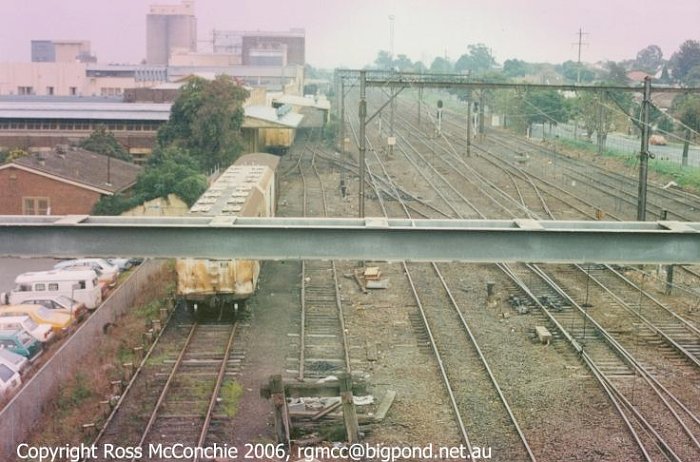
[[478, 60], [169, 170], [515, 68], [616, 74], [545, 106], [687, 107], [383, 60], [403, 63], [441, 65], [649, 59], [206, 119], [103, 141], [692, 78], [571, 69], [686, 58]]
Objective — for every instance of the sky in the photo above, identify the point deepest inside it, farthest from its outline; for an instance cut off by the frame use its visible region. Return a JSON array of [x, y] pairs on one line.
[[349, 33]]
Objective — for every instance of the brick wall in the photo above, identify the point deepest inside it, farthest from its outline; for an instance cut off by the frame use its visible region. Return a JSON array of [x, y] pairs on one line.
[[65, 199]]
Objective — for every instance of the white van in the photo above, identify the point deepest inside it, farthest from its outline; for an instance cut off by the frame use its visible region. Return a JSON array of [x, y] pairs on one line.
[[78, 285], [109, 271]]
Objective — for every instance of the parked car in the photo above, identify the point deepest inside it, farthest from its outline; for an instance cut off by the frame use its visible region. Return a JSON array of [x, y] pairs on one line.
[[59, 322], [78, 285], [20, 342], [9, 380], [124, 264], [109, 271], [14, 361], [41, 332], [61, 304]]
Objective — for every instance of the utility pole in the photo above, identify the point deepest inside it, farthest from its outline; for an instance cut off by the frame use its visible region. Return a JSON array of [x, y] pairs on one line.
[[420, 100], [391, 35], [601, 123], [578, 61], [363, 148], [469, 127], [482, 135], [644, 153], [342, 116]]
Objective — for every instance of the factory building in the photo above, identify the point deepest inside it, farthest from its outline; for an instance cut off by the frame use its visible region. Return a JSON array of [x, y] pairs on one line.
[[170, 28], [62, 51]]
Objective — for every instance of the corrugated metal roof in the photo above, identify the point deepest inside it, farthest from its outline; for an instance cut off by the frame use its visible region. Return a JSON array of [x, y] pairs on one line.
[[269, 114], [317, 103], [84, 110]]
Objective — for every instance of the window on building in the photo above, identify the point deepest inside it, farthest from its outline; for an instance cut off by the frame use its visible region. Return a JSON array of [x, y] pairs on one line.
[[25, 90], [49, 91], [35, 205], [73, 91]]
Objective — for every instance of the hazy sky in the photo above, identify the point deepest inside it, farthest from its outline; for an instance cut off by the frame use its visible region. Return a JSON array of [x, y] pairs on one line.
[[350, 32]]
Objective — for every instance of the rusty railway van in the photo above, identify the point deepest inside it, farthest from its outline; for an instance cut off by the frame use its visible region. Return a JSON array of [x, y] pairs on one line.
[[248, 188]]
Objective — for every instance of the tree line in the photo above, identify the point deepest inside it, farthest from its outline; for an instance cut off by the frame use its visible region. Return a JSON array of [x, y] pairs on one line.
[[595, 113]]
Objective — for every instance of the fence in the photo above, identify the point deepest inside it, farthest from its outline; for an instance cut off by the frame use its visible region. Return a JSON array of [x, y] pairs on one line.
[[28, 405]]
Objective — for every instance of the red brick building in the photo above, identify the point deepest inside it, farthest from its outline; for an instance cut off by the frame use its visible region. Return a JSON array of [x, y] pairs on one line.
[[61, 182]]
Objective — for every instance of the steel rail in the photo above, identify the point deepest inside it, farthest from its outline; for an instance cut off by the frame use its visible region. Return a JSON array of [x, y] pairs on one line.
[[441, 365], [217, 388], [658, 331], [302, 334], [629, 359], [687, 324], [485, 363], [575, 166], [588, 361], [526, 176], [473, 341], [338, 304], [507, 270], [164, 391], [125, 392]]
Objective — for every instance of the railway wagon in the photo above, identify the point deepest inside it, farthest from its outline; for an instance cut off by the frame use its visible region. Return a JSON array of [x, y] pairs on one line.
[[248, 188]]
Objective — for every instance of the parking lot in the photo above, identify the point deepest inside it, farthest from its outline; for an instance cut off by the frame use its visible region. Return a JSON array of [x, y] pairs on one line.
[[11, 267]]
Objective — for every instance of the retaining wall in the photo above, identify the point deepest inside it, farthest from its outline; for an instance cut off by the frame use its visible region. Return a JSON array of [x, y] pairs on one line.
[[27, 406]]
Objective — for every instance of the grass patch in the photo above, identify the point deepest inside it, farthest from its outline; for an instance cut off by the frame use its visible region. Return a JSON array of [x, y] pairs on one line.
[[73, 395], [686, 177], [150, 310], [231, 393]]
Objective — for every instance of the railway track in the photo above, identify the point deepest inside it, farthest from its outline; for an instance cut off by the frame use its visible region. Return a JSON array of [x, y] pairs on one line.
[[483, 414], [183, 412], [677, 205], [322, 342], [603, 360], [180, 393]]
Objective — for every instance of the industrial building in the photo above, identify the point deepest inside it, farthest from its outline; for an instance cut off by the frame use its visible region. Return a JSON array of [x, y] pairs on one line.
[[170, 28], [41, 123], [263, 48], [62, 51]]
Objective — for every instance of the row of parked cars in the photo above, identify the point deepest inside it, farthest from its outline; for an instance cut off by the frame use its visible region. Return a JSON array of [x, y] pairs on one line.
[[44, 305]]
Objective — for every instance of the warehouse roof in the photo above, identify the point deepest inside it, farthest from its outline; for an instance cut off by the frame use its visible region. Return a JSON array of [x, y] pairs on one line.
[[271, 116], [34, 109]]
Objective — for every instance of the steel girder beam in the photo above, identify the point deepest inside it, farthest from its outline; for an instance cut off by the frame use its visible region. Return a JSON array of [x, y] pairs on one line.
[[353, 239], [387, 78]]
